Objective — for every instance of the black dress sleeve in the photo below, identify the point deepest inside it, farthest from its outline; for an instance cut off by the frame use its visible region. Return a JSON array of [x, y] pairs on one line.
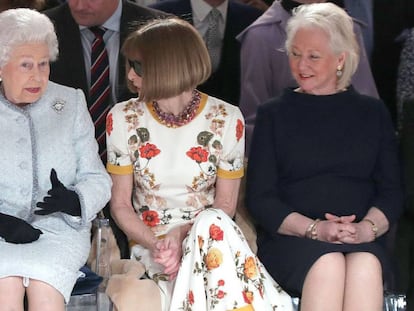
[[262, 179], [387, 171]]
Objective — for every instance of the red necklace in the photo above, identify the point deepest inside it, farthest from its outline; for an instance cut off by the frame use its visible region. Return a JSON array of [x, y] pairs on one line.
[[188, 114]]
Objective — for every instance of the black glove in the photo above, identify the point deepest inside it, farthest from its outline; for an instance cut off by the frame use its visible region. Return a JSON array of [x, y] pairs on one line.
[[16, 230], [59, 199]]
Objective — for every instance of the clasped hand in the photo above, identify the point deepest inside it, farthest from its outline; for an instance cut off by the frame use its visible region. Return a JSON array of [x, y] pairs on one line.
[[59, 199], [168, 252], [343, 229]]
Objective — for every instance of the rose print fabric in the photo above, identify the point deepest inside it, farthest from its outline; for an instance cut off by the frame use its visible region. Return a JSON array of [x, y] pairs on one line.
[[220, 272], [174, 171]]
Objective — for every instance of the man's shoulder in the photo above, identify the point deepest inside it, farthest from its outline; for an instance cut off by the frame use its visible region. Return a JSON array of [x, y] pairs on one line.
[[62, 18], [172, 6], [131, 9], [57, 11], [134, 15], [244, 8]]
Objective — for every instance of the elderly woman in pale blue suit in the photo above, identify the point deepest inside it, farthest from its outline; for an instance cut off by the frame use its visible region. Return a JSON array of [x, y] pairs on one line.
[[53, 182]]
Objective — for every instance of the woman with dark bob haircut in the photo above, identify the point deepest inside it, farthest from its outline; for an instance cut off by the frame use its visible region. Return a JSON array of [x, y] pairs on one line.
[[175, 156]]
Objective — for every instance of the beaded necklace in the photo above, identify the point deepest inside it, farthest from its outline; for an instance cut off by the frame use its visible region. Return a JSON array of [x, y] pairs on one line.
[[171, 120]]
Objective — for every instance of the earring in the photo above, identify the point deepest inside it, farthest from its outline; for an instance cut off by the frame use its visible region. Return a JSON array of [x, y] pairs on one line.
[[339, 71]]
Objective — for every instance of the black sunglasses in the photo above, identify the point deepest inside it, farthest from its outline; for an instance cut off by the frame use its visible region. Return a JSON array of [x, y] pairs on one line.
[[136, 65]]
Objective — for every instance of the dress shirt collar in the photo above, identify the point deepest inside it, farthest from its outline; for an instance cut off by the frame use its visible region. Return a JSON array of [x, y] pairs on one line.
[[289, 5], [201, 9]]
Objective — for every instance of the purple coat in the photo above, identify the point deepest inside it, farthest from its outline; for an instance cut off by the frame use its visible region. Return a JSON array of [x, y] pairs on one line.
[[265, 70]]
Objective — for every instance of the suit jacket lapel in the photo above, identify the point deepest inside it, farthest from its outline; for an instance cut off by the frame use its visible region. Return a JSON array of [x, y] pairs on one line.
[[70, 52]]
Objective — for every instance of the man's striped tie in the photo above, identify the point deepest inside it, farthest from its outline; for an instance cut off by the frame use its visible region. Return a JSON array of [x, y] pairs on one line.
[[100, 90]]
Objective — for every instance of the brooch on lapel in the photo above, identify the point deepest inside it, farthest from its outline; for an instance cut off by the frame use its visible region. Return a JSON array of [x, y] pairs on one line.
[[58, 105]]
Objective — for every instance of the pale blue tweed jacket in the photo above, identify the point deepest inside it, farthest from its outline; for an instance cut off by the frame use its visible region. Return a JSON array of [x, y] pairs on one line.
[[54, 132]]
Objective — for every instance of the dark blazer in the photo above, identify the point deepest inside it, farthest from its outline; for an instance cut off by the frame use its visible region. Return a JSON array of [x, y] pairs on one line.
[[69, 69], [225, 82], [390, 19], [407, 153], [404, 245]]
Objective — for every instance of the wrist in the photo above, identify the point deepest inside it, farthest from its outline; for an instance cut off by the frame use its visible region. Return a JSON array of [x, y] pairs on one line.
[[179, 233], [312, 230], [373, 226]]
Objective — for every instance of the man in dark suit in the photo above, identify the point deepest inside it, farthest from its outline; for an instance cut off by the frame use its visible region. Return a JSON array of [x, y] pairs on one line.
[[224, 82], [72, 20], [404, 245]]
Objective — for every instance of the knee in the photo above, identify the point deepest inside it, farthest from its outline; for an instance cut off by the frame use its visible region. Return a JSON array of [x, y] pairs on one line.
[[211, 216], [43, 296], [11, 304], [332, 261], [325, 278], [363, 263], [11, 293], [329, 266]]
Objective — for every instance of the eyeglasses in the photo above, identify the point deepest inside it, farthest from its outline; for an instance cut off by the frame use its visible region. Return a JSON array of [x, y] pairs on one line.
[[136, 65]]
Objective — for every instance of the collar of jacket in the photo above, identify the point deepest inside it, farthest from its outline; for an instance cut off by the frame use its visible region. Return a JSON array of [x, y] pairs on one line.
[[289, 5]]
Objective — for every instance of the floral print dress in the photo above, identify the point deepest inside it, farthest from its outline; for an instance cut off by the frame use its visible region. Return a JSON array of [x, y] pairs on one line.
[[174, 171]]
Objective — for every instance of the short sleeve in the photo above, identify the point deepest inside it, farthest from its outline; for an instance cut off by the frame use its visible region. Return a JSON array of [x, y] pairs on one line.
[[119, 160], [231, 162]]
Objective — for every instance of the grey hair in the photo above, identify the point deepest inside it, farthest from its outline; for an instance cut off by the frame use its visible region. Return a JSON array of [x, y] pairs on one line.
[[339, 27], [22, 26]]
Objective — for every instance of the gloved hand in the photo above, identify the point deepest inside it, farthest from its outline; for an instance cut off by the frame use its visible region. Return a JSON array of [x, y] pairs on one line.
[[16, 230], [59, 199]]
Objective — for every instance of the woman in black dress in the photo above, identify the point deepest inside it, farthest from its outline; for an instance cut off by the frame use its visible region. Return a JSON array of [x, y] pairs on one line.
[[323, 179]]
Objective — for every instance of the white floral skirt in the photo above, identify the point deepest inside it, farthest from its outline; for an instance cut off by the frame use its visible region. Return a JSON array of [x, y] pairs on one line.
[[218, 271]]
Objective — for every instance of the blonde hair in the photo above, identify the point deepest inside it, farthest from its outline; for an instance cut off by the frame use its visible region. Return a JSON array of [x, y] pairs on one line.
[[337, 24], [173, 55]]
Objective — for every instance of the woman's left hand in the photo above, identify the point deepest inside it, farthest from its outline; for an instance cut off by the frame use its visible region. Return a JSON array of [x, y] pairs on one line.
[[169, 250], [352, 232], [59, 199], [169, 255], [362, 234]]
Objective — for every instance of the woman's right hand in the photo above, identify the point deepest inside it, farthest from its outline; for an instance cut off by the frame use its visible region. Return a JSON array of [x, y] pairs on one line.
[[16, 230], [328, 231], [168, 251], [336, 228], [344, 229]]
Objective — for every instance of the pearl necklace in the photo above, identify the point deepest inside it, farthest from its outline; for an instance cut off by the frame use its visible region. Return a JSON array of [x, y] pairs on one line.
[[171, 120]]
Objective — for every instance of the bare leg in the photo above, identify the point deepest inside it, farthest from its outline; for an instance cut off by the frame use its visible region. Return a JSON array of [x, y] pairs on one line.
[[11, 293], [43, 297], [363, 286], [324, 285]]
